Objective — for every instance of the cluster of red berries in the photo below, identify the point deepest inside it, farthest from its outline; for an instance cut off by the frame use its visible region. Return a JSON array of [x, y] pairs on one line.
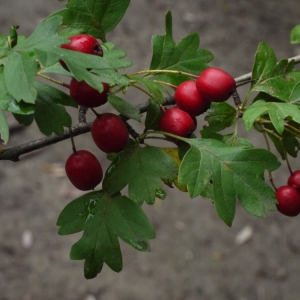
[[288, 196], [108, 130], [193, 98]]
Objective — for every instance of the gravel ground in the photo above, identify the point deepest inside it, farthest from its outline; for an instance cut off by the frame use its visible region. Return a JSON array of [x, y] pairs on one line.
[[195, 255]]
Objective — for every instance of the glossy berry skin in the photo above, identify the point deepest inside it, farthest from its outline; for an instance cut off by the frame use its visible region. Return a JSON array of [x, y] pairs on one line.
[[84, 170], [294, 179], [87, 96], [215, 85], [288, 200], [83, 43], [178, 122], [109, 133], [189, 99]]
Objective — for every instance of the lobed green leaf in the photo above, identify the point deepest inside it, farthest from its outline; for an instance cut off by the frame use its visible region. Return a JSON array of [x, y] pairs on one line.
[[104, 219], [95, 17], [141, 168], [223, 174]]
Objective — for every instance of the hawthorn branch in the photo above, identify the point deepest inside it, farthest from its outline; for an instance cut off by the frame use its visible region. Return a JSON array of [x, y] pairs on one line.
[[14, 153]]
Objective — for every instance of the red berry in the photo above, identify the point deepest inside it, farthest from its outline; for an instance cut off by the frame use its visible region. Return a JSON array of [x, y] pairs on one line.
[[109, 133], [294, 179], [215, 85], [189, 99], [83, 43], [178, 122], [84, 170], [87, 96], [288, 200]]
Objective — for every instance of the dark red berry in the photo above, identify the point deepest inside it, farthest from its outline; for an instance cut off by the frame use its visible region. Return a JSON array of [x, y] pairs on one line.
[[87, 96], [215, 85], [294, 179], [189, 99], [288, 200], [178, 122], [84, 170], [83, 43], [109, 133]]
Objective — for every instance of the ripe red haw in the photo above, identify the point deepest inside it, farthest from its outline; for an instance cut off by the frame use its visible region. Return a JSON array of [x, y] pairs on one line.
[[109, 133], [288, 200], [87, 96], [294, 179], [188, 98], [83, 43], [178, 122], [84, 170], [215, 85]]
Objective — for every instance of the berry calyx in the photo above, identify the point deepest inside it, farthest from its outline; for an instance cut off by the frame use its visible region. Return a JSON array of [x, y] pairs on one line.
[[288, 200], [84, 43], [177, 122], [215, 85], [294, 179], [188, 98], [84, 170], [87, 96], [109, 133]]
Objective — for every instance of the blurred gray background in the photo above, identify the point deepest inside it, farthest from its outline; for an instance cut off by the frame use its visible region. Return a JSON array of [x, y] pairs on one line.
[[195, 255]]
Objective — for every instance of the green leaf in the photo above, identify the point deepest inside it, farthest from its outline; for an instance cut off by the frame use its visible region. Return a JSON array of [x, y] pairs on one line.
[[184, 56], [50, 116], [155, 89], [278, 113], [7, 101], [220, 116], [276, 79], [104, 219], [95, 17], [4, 129], [264, 64], [153, 115], [20, 68], [58, 96], [222, 174], [288, 144], [295, 35], [124, 108], [141, 168], [115, 57], [25, 120], [44, 37]]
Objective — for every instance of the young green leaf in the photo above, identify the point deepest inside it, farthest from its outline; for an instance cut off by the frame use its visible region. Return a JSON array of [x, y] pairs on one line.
[[124, 108], [95, 17], [184, 56], [141, 168], [222, 174], [103, 219], [4, 129]]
